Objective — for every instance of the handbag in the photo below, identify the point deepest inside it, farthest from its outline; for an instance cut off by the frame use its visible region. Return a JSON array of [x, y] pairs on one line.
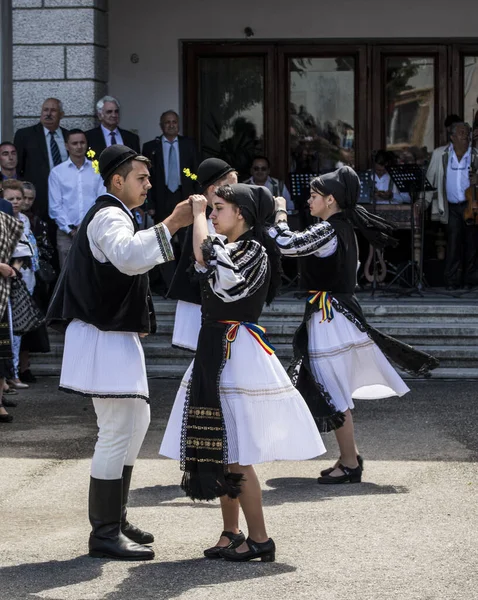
[[26, 316], [46, 272]]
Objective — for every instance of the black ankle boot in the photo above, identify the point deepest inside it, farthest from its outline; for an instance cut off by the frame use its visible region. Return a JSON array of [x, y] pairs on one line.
[[266, 551], [134, 533], [106, 537]]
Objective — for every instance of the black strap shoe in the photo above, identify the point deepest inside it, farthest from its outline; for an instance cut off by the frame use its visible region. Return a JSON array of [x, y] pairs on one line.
[[349, 476], [134, 533], [106, 538], [236, 539], [330, 469], [266, 551]]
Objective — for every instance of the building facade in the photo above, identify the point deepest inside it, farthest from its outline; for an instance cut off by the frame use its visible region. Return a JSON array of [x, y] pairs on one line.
[[310, 84]]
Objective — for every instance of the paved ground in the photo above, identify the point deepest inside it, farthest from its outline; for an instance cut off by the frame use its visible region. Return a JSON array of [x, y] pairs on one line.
[[409, 532]]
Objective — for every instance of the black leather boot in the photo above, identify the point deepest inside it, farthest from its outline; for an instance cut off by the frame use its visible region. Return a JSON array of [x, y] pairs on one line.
[[106, 537], [134, 533]]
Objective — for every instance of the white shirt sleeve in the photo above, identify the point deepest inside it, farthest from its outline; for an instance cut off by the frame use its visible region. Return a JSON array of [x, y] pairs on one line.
[[55, 202], [112, 239]]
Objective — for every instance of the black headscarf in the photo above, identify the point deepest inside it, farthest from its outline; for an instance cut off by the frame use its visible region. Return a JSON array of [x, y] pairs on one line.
[[257, 206], [344, 186]]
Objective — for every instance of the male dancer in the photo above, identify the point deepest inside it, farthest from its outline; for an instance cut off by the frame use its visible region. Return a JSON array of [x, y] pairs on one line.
[[103, 294], [212, 173]]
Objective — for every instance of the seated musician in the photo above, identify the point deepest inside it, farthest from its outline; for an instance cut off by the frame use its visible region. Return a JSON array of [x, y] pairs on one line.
[[385, 191]]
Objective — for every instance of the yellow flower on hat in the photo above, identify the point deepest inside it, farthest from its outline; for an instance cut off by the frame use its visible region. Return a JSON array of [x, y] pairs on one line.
[[188, 173], [91, 153], [96, 166]]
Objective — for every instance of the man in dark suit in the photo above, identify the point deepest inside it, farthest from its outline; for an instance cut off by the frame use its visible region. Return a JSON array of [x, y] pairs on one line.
[[108, 133], [39, 149], [170, 154]]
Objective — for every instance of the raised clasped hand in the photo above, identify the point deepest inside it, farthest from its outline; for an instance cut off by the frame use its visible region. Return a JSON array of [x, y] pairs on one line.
[[281, 203], [198, 204], [182, 213]]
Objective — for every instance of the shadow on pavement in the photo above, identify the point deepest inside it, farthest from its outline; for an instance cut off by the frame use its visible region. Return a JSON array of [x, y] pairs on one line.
[[159, 580], [304, 489], [285, 489], [166, 580], [21, 581]]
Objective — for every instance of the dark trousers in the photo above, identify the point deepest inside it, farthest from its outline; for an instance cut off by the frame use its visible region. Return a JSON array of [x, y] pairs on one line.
[[461, 265]]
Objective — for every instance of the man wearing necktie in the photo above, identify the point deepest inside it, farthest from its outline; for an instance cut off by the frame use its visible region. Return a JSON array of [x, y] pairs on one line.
[[39, 149], [169, 154], [108, 133]]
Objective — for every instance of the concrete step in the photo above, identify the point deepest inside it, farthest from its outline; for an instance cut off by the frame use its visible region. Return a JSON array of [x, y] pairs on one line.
[[403, 312], [176, 371]]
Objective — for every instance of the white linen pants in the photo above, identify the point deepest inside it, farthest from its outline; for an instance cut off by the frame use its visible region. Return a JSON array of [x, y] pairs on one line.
[[122, 424]]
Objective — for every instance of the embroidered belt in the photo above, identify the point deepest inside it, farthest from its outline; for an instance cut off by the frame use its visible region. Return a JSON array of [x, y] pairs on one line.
[[325, 304], [258, 332]]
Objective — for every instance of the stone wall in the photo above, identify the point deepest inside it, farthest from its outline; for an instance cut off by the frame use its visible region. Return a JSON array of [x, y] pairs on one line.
[[60, 49]]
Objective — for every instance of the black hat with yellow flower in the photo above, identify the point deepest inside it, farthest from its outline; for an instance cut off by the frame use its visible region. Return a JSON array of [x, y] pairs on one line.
[[212, 170]]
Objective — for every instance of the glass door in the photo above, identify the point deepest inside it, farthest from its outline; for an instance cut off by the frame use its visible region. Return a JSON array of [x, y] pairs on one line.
[[227, 103], [324, 108], [409, 101]]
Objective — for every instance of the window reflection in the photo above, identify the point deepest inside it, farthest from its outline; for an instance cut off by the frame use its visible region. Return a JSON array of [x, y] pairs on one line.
[[470, 89], [322, 94], [410, 103], [231, 107]]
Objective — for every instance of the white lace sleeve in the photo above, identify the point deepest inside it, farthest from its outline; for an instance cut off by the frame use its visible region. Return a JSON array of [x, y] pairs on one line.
[[319, 239], [236, 270]]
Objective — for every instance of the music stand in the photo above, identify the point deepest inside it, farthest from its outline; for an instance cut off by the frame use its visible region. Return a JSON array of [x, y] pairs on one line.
[[411, 179], [367, 196]]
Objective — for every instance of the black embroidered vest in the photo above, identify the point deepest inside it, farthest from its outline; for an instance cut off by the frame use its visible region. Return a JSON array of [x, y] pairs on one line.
[[98, 293], [338, 272]]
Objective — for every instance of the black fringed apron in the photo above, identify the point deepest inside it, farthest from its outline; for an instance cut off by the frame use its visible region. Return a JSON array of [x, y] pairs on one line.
[[332, 283], [319, 401], [204, 456]]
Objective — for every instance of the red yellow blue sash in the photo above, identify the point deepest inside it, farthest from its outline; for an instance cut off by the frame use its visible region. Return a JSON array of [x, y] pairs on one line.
[[325, 304], [258, 332]]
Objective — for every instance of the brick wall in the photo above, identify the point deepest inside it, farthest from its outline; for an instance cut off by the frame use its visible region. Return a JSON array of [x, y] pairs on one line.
[[60, 50]]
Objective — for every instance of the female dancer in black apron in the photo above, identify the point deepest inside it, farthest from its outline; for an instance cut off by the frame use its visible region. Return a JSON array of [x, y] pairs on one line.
[[236, 406], [337, 353]]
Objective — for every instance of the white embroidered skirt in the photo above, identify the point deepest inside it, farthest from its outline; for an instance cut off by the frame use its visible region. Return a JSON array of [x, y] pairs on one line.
[[348, 363], [103, 363], [187, 323], [266, 418]]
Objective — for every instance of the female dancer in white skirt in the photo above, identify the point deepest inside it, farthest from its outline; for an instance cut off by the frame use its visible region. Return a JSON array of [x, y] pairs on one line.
[[236, 405], [338, 354]]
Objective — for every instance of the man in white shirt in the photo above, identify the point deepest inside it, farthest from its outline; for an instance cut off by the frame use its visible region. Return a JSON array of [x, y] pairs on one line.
[[449, 173], [73, 187], [386, 192], [260, 175], [103, 297]]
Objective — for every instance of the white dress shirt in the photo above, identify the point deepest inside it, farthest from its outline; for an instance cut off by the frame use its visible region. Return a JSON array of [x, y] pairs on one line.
[[457, 176], [60, 140], [107, 135], [166, 150], [382, 184], [71, 193]]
